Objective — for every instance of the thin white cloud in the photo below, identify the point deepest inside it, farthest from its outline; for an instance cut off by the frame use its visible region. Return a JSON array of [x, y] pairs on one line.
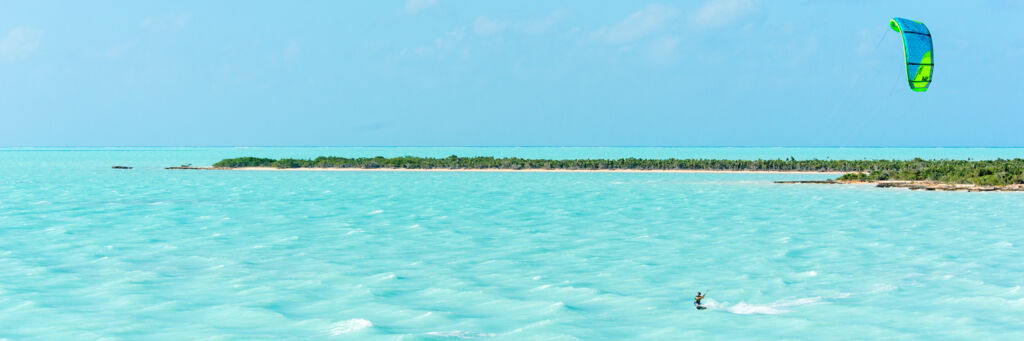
[[447, 42], [716, 13], [119, 50], [413, 6], [540, 25], [453, 43], [640, 24], [663, 49], [483, 26], [19, 43], [171, 22], [291, 51]]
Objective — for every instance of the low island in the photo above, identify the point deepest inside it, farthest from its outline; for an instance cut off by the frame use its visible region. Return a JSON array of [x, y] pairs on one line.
[[960, 175]]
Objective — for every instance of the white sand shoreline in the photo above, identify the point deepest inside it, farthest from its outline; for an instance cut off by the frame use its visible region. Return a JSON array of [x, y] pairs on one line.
[[498, 170]]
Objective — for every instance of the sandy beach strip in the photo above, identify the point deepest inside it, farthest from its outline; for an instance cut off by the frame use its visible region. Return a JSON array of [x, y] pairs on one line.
[[501, 170]]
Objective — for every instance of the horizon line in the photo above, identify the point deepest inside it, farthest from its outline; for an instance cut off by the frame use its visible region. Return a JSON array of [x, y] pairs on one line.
[[495, 146]]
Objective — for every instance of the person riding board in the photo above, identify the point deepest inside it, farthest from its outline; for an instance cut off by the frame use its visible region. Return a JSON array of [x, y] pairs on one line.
[[696, 300]]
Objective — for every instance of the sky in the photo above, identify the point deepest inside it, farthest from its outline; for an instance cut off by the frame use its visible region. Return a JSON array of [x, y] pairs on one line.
[[505, 73]]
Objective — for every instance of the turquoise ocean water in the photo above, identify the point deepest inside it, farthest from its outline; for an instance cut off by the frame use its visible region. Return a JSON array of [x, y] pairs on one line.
[[87, 252]]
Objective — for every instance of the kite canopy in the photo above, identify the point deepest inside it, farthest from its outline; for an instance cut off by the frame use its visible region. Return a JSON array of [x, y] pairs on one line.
[[917, 46]]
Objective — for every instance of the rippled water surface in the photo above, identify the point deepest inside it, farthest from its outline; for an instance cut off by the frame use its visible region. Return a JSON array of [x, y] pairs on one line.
[[87, 252]]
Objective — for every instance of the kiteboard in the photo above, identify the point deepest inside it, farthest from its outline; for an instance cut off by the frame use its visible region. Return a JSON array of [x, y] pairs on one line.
[[700, 307]]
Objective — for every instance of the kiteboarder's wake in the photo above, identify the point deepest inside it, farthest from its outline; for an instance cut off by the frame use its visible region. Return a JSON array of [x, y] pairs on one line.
[[777, 307]]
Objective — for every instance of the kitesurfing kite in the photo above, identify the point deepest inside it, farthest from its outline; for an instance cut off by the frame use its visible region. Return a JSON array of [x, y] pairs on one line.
[[917, 46]]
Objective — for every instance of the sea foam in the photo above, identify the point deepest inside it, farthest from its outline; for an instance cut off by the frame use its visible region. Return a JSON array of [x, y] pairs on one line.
[[349, 326]]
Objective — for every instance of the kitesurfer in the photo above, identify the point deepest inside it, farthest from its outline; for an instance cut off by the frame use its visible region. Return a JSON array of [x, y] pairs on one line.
[[696, 300]]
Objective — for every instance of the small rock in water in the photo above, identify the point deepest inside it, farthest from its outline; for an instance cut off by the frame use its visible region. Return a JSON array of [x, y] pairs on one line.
[[121, 167]]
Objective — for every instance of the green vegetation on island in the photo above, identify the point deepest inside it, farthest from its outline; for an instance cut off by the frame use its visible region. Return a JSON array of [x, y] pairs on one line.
[[999, 172]]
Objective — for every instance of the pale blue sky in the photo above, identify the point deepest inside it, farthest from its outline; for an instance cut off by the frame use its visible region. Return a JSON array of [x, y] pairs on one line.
[[442, 72]]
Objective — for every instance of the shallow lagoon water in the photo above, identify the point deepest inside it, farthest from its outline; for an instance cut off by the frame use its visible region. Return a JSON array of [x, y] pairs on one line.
[[87, 252]]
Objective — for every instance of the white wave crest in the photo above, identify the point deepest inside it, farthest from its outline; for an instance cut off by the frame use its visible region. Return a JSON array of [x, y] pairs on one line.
[[461, 334], [747, 309], [386, 276], [777, 307], [555, 307], [884, 288], [345, 327]]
